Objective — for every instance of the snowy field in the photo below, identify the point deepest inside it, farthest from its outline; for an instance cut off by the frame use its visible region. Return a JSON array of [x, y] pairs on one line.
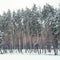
[[29, 52], [29, 55]]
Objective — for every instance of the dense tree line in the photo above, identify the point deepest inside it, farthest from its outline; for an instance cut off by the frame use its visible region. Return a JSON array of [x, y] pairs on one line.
[[32, 22]]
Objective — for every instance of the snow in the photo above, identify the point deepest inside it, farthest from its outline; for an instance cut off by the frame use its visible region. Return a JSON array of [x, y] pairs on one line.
[[29, 56], [29, 52]]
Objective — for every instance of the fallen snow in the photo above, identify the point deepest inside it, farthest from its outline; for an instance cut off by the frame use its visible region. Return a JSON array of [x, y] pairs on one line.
[[29, 55], [29, 52]]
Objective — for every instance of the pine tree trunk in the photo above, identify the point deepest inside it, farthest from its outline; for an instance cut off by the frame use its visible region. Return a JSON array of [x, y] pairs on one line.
[[55, 45]]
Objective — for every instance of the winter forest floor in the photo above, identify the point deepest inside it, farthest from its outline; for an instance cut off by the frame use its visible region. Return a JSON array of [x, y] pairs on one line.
[[29, 55], [30, 52]]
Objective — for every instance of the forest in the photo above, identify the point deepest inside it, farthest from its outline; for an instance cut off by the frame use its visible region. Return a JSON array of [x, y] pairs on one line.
[[33, 28]]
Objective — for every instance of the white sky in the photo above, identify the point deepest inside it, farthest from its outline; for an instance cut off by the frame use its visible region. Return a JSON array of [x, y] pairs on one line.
[[18, 4]]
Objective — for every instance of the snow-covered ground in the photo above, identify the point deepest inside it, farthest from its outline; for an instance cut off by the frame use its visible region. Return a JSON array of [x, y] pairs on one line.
[[29, 52], [29, 55]]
